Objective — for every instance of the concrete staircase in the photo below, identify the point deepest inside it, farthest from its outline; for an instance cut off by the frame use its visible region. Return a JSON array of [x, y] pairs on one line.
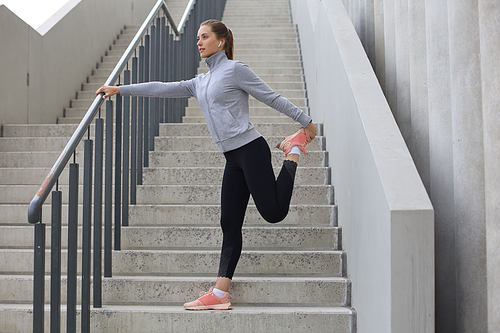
[[291, 276]]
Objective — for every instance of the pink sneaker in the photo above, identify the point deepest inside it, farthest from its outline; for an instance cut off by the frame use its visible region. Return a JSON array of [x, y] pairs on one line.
[[298, 138], [208, 301]]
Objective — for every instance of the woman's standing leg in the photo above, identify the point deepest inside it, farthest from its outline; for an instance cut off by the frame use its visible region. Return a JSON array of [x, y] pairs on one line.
[[234, 201]]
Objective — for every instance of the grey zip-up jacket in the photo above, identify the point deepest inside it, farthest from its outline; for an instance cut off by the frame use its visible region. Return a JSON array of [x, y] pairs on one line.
[[223, 97]]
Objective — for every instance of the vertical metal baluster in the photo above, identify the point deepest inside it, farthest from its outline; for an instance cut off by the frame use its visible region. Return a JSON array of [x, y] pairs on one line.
[[72, 247], [98, 185], [169, 72], [157, 78], [174, 68], [126, 150], [86, 237], [118, 170], [108, 189], [177, 50], [55, 259], [133, 140], [146, 103], [152, 77], [163, 40], [140, 119], [39, 279]]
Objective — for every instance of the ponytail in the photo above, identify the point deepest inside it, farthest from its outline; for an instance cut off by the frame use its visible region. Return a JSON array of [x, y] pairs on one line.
[[222, 31]]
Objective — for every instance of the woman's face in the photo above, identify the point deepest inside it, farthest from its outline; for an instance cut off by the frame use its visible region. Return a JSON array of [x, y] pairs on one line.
[[208, 42]]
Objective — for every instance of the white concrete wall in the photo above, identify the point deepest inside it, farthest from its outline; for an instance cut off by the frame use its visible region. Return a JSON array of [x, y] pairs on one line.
[[58, 61], [449, 96], [385, 213]]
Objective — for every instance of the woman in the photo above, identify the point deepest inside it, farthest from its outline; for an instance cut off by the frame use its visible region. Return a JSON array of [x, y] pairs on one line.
[[223, 97]]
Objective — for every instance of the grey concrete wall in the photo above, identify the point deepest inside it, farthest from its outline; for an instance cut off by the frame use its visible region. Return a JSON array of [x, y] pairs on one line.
[[441, 80], [489, 14], [385, 213], [58, 61]]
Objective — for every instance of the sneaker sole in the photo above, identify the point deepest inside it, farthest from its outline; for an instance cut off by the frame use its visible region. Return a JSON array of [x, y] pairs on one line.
[[211, 307]]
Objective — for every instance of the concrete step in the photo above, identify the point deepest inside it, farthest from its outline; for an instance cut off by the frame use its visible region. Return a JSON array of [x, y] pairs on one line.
[[180, 215], [271, 62], [216, 159], [255, 319], [241, 52], [171, 143], [204, 143], [209, 176], [170, 291], [275, 129], [210, 194], [251, 263], [195, 262], [32, 158], [194, 215], [165, 159], [254, 238], [34, 144], [194, 175], [199, 237], [245, 290], [23, 194], [170, 129], [31, 176]]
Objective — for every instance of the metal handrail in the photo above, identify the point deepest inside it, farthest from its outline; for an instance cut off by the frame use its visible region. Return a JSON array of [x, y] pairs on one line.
[[35, 207], [186, 13]]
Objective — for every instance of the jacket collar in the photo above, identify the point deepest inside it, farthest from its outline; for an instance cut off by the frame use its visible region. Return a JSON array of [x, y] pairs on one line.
[[216, 60]]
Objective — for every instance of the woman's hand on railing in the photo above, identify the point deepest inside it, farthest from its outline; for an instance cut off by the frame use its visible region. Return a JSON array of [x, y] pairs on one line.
[[108, 91]]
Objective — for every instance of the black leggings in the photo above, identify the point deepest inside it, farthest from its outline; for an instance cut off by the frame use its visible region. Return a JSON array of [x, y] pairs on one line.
[[249, 171]]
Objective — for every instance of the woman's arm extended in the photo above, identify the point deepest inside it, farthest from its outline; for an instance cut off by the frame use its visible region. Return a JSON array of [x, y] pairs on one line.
[[152, 89]]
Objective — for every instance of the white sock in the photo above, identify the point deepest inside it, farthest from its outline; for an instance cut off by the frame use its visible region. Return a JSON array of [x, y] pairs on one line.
[[295, 150], [219, 293]]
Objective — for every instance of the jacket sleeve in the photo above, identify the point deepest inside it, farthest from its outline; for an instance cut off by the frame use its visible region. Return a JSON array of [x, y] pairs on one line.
[[248, 81], [160, 89]]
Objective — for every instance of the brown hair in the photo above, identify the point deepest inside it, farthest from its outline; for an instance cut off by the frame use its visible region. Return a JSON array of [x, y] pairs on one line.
[[222, 31]]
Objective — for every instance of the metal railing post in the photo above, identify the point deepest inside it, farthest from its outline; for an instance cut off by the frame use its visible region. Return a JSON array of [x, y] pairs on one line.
[[118, 171], [157, 77], [147, 114], [140, 117], [98, 185], [170, 74], [152, 77], [108, 189], [39, 279], [133, 139], [163, 61], [72, 247], [86, 237], [126, 151], [55, 262]]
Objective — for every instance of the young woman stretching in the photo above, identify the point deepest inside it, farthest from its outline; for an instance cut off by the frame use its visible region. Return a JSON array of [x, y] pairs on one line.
[[223, 97]]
